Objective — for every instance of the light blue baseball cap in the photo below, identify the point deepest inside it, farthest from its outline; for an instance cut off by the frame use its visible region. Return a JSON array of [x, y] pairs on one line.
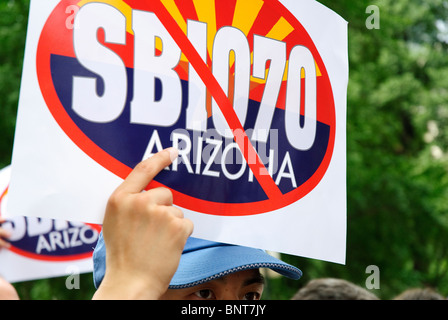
[[204, 260]]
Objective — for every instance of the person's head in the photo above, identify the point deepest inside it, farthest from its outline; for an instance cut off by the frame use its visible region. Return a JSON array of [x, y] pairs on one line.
[[332, 289], [212, 270]]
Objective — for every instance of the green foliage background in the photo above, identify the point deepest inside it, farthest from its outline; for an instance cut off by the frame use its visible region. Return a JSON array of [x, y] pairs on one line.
[[397, 144]]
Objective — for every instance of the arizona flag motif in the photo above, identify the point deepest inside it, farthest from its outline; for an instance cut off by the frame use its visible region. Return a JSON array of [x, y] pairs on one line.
[[251, 92]]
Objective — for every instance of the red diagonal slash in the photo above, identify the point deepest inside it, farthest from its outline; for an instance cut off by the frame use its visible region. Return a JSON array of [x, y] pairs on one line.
[[259, 170]]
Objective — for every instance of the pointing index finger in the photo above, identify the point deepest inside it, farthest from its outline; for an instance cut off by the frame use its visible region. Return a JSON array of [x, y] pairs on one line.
[[145, 171]]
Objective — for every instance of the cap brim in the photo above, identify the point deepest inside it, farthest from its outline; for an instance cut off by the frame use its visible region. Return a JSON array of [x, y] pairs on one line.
[[219, 261]]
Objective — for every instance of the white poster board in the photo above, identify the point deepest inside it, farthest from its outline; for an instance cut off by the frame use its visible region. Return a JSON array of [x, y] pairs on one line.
[[252, 93]]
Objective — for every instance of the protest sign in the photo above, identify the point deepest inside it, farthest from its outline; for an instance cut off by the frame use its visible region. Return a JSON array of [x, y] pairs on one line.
[[251, 92], [42, 247]]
